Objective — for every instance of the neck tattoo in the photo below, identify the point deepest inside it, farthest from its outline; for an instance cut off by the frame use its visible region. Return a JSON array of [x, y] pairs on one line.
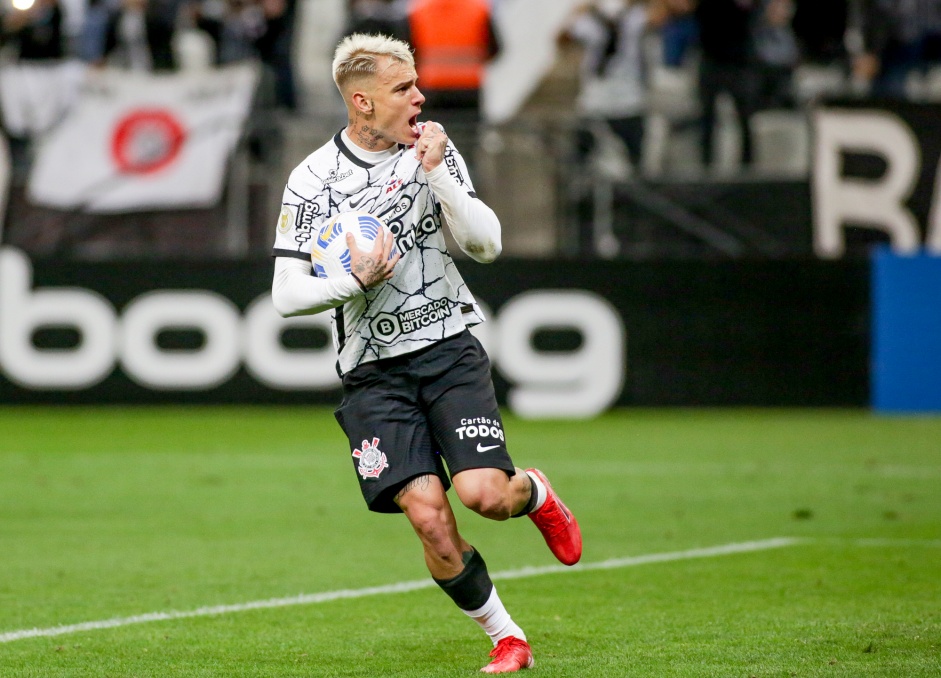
[[368, 136]]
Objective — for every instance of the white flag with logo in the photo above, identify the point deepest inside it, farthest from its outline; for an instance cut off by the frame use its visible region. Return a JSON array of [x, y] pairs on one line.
[[142, 141]]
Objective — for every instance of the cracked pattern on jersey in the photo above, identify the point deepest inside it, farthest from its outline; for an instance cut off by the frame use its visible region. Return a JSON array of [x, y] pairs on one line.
[[426, 300]]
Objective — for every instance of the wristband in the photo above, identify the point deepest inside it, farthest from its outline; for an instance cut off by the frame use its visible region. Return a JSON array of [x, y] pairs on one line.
[[359, 282]]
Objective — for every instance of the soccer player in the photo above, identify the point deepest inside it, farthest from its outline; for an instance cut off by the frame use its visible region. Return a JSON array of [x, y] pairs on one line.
[[417, 391]]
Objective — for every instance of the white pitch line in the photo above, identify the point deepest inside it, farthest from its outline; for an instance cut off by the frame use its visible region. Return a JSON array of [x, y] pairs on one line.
[[404, 587], [631, 561], [401, 587], [877, 541]]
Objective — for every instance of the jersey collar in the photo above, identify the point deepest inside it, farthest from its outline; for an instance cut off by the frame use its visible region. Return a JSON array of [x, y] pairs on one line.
[[358, 156]]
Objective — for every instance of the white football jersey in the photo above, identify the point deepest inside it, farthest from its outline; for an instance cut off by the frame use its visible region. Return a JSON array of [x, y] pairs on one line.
[[426, 300]]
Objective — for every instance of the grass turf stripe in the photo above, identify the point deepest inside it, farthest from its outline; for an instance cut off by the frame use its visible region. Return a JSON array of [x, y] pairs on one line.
[[401, 587], [404, 587]]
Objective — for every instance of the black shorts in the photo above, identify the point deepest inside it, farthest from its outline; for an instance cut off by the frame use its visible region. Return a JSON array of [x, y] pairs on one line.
[[408, 416]]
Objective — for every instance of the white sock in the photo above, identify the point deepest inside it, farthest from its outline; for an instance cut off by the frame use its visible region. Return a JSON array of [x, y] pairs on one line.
[[495, 620], [541, 492]]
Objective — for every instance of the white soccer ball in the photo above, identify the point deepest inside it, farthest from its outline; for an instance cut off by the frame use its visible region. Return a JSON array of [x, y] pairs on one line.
[[330, 255]]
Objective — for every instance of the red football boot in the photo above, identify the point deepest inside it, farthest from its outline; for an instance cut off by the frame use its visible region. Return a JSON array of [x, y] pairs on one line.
[[557, 524], [510, 655]]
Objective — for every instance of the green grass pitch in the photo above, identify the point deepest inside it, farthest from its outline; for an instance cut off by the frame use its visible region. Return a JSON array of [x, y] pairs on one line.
[[112, 513]]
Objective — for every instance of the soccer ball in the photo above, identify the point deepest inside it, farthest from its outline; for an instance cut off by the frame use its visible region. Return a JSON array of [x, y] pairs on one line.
[[330, 255]]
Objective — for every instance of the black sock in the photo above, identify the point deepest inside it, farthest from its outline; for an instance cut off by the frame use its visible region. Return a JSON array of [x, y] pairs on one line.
[[471, 589], [533, 496]]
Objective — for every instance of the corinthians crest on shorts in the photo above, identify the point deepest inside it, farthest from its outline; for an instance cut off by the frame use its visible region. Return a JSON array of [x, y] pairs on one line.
[[372, 460]]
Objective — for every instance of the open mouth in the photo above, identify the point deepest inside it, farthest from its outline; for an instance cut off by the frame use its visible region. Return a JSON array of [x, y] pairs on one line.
[[413, 124]]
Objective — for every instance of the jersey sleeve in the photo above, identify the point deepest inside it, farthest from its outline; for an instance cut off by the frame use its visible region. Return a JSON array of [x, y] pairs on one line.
[[304, 208], [473, 224], [294, 291]]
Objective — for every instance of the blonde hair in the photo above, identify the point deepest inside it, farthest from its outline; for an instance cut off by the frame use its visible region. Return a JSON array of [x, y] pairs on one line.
[[357, 55]]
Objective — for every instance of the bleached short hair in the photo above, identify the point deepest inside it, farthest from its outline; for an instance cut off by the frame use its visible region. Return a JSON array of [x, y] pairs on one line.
[[357, 55]]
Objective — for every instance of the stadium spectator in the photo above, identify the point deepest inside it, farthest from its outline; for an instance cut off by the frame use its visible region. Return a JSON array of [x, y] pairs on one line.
[[679, 32], [35, 38], [379, 17], [820, 29], [35, 33], [777, 54], [133, 34], [234, 26], [727, 65], [899, 39], [276, 50], [417, 391], [261, 30], [453, 41], [613, 78], [90, 44]]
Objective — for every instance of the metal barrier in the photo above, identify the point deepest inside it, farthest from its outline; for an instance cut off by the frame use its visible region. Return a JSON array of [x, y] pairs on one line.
[[551, 202]]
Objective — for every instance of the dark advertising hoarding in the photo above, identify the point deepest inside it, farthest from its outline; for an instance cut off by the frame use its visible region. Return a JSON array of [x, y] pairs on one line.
[[566, 338]]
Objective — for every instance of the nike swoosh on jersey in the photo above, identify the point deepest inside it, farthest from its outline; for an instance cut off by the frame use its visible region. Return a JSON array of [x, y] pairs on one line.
[[481, 448]]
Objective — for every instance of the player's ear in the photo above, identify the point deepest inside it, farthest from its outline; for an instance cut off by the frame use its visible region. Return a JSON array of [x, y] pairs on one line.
[[362, 103]]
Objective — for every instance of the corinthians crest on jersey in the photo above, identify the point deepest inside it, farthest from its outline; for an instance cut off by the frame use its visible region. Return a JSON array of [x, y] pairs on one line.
[[426, 300]]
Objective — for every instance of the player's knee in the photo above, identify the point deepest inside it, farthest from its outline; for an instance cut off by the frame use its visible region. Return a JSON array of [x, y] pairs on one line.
[[485, 491], [490, 502], [429, 522]]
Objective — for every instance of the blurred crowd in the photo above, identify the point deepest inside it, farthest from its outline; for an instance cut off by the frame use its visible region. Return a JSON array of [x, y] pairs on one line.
[[681, 77], [144, 35], [746, 51]]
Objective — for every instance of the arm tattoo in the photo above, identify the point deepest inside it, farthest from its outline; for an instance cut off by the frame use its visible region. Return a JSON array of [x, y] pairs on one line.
[[420, 482]]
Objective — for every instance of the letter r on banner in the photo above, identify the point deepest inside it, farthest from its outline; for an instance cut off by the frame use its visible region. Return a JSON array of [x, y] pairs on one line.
[[878, 204]]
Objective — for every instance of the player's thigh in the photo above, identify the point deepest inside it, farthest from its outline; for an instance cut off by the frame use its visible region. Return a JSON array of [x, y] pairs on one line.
[[389, 437], [463, 412]]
